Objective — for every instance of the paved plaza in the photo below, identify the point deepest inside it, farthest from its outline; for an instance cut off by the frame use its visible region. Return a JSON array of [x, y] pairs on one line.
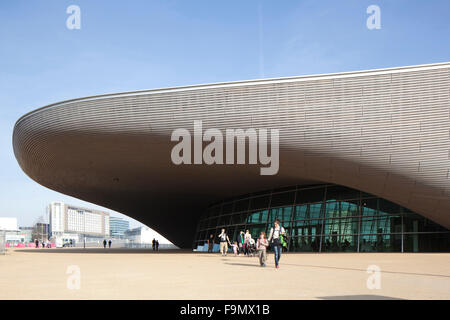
[[178, 274]]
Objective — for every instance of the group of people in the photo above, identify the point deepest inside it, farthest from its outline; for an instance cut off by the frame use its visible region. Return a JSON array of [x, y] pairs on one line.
[[246, 245], [44, 245], [155, 244], [109, 243]]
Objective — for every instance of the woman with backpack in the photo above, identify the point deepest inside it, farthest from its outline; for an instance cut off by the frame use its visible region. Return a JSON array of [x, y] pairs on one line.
[[276, 232]]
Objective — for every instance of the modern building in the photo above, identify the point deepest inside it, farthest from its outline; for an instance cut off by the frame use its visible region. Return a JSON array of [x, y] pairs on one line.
[[373, 146], [70, 222], [118, 226], [144, 236]]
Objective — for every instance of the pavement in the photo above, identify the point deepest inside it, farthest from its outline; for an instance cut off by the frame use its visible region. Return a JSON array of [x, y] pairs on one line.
[[97, 273]]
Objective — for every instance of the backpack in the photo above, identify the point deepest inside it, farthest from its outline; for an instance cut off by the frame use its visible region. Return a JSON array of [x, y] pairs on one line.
[[283, 238]]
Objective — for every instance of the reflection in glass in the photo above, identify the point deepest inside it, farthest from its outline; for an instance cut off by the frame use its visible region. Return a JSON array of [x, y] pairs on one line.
[[346, 221]]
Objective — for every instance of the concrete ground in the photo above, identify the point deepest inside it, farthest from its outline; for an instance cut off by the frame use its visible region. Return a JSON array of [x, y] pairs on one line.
[[142, 274]]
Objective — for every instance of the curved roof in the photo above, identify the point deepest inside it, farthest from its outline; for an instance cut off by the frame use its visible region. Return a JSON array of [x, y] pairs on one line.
[[385, 132]]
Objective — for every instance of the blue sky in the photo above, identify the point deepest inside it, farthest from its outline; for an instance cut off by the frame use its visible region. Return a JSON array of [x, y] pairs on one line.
[[131, 45]]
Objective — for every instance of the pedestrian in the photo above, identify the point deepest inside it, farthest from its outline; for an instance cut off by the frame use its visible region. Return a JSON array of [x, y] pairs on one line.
[[261, 247], [224, 240], [104, 243], [276, 232], [247, 238], [211, 243], [153, 244], [157, 245], [109, 243], [235, 248], [36, 242], [241, 240]]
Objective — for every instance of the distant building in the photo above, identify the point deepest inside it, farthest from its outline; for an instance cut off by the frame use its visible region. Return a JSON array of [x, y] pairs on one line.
[[13, 234], [68, 222], [26, 234], [8, 224], [144, 235], [118, 227], [40, 231]]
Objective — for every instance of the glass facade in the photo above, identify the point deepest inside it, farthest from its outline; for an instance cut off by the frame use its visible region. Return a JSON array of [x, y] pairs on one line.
[[118, 226], [326, 218]]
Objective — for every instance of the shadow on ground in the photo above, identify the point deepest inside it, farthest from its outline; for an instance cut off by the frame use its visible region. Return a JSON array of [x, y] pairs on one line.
[[256, 264]]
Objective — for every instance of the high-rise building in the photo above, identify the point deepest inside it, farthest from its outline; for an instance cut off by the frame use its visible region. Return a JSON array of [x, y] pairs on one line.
[[66, 220], [118, 226]]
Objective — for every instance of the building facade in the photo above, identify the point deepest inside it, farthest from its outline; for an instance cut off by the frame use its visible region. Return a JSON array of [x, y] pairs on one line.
[[326, 218], [118, 227], [69, 222]]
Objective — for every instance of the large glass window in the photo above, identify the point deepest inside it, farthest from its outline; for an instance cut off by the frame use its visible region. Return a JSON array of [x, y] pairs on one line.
[[306, 227], [380, 243], [258, 217], [304, 244], [282, 199], [315, 211], [259, 202], [335, 242], [341, 226], [300, 212], [327, 218], [283, 214], [416, 223], [238, 218], [369, 207], [381, 224], [241, 205], [310, 195]]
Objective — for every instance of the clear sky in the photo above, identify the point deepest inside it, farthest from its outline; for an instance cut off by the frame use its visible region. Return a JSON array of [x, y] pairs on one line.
[[131, 45]]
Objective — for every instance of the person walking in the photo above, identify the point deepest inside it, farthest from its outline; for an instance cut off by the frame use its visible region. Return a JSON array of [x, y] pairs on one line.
[[211, 243], [224, 240], [241, 240], [157, 245], [235, 248], [261, 247], [247, 238], [109, 243], [104, 243], [275, 239], [153, 244]]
